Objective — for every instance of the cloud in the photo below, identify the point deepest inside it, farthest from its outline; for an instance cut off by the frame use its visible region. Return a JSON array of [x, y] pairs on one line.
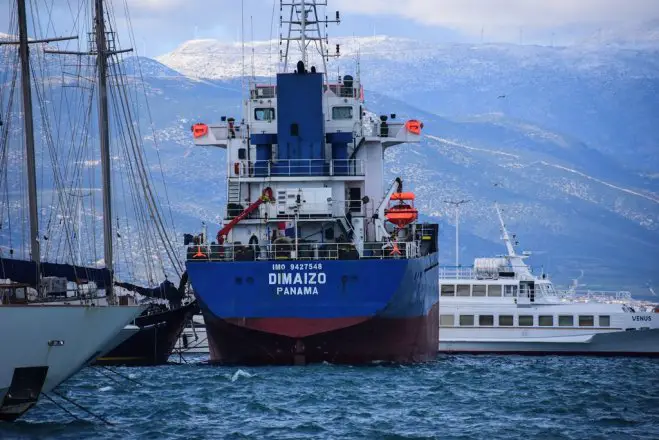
[[472, 15]]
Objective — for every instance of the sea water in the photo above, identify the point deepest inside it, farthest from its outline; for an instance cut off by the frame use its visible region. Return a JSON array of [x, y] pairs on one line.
[[454, 397]]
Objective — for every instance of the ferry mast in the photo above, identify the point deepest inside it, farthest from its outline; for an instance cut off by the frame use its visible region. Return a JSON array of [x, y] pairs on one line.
[[304, 27]]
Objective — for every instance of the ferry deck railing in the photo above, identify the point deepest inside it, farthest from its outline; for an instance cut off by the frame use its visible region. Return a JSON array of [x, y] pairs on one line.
[[469, 273], [596, 295], [301, 251]]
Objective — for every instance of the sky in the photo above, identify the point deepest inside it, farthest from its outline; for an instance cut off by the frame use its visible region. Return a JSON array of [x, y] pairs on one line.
[[159, 26]]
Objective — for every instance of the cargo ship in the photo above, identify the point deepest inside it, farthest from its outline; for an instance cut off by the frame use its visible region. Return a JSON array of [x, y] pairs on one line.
[[318, 259]]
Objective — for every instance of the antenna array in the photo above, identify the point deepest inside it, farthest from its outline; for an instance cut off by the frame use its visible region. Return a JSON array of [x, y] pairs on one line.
[[304, 27]]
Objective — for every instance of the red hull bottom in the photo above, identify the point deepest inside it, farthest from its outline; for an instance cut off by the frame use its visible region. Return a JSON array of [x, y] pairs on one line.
[[403, 340]]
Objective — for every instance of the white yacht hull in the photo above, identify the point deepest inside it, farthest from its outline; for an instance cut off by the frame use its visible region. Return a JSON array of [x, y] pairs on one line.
[[43, 345], [610, 343]]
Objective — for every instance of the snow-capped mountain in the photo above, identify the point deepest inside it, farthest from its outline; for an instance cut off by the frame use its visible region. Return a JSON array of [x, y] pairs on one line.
[[600, 94], [550, 133]]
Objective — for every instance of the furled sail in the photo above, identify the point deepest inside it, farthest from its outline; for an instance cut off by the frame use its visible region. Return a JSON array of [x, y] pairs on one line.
[[23, 271]]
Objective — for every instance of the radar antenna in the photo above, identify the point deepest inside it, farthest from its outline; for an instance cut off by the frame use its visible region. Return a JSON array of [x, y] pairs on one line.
[[304, 27]]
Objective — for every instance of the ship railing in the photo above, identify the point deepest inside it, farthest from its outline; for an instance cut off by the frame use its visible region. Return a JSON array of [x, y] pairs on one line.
[[300, 251], [297, 167], [622, 296], [343, 91], [330, 209], [470, 273], [263, 91], [380, 129]]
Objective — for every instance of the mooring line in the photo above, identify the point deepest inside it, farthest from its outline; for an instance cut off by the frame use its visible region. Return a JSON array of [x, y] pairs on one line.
[[121, 375], [77, 405], [60, 406]]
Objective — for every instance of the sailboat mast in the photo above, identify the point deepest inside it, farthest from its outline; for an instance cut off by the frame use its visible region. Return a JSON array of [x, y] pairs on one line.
[[28, 126], [103, 125]]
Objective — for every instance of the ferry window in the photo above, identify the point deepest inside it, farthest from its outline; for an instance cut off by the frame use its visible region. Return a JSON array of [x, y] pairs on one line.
[[494, 290], [486, 320], [546, 321], [466, 319], [566, 321], [525, 320], [242, 153], [586, 321], [605, 321], [505, 320], [264, 114], [343, 112], [448, 290], [509, 290], [464, 289], [479, 290], [448, 320]]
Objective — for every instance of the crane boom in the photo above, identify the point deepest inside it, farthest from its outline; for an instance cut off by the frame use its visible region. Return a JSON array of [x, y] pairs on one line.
[[266, 196]]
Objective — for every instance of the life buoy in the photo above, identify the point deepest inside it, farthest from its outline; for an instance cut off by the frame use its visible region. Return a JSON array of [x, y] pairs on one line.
[[199, 130], [414, 126], [236, 168]]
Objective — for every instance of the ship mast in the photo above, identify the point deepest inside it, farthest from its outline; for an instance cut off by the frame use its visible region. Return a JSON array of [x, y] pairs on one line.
[[28, 126], [516, 261], [103, 126], [303, 26], [504, 231], [102, 53]]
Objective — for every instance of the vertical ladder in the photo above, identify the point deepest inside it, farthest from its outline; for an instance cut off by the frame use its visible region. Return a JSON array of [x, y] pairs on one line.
[[234, 192]]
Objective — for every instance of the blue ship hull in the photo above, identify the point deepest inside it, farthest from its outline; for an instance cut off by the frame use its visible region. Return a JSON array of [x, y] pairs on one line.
[[338, 311]]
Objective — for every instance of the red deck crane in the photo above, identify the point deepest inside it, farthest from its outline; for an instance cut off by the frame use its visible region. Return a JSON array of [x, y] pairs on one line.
[[266, 196]]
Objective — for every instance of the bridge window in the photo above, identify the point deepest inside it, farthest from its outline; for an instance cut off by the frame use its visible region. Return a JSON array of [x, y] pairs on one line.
[[448, 290], [509, 290], [486, 320], [565, 321], [605, 321], [525, 320], [464, 289], [447, 320], [494, 290], [466, 320], [586, 321], [546, 321], [342, 112], [264, 114], [505, 320], [478, 290]]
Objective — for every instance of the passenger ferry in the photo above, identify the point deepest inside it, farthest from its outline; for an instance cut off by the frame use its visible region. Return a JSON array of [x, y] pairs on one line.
[[499, 306]]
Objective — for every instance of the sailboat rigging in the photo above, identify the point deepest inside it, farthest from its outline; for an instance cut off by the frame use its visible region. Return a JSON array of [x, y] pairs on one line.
[[31, 360], [141, 233]]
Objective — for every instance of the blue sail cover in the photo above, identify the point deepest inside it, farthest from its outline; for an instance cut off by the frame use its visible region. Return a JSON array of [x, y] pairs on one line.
[[22, 271]]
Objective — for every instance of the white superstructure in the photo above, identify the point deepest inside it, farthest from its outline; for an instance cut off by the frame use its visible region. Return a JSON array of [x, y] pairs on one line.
[[307, 159], [499, 306]]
